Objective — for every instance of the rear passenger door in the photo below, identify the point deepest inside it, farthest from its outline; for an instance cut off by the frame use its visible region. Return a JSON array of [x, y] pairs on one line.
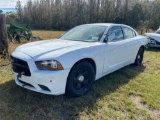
[[131, 44]]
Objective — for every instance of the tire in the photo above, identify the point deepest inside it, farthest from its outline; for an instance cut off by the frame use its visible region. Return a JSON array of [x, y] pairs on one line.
[[22, 39], [139, 57], [80, 79]]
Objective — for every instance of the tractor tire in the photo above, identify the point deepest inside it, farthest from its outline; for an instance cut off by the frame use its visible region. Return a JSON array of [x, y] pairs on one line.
[[22, 39]]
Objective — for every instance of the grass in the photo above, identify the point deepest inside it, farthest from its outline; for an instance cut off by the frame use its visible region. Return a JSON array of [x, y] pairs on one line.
[[129, 93], [45, 35]]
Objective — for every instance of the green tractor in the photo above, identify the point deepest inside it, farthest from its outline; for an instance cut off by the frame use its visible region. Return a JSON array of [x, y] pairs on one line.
[[20, 32]]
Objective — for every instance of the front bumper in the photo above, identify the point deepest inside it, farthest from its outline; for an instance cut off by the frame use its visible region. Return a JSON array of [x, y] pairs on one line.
[[153, 43], [47, 82]]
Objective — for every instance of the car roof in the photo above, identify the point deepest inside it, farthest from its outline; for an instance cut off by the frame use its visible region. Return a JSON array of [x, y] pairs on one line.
[[114, 24], [111, 24], [106, 24]]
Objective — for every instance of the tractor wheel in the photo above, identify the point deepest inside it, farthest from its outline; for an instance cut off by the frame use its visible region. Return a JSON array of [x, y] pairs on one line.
[[22, 39]]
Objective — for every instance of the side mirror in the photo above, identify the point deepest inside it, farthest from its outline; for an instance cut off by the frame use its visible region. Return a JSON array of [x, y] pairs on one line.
[[111, 37], [106, 39]]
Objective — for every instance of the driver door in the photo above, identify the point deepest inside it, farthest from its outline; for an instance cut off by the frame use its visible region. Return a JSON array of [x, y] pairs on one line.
[[115, 50]]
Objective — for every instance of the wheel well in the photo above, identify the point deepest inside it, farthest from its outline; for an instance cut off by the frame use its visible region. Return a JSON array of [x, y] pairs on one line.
[[91, 61], [142, 47]]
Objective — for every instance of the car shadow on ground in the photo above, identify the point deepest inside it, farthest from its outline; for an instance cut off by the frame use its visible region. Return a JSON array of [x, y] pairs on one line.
[[19, 103]]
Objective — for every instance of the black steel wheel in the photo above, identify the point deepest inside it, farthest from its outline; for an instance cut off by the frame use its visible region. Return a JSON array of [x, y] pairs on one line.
[[139, 57], [80, 79]]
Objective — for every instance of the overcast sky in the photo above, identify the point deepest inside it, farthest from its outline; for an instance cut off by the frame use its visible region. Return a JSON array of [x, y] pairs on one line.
[[10, 3]]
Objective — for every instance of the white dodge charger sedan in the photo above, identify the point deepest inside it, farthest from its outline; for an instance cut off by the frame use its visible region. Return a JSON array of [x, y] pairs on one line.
[[71, 63]]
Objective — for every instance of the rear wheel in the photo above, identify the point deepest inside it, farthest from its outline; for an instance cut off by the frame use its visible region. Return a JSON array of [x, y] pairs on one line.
[[139, 57], [80, 79]]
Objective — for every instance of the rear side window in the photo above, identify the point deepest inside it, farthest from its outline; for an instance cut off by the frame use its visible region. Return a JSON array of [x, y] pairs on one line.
[[129, 33]]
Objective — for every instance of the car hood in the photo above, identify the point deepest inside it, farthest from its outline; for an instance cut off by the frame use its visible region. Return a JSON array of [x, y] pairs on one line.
[[59, 47], [154, 36]]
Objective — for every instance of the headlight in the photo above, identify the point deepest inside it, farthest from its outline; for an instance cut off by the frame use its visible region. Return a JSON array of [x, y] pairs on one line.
[[49, 65]]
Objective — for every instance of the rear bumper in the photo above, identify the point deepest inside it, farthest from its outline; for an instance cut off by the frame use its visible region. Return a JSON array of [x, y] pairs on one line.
[[47, 82]]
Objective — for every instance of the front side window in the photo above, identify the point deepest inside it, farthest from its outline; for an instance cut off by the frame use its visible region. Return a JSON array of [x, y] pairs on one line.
[[118, 33], [129, 33], [85, 33]]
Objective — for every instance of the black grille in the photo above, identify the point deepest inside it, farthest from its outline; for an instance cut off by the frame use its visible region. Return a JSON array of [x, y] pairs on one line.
[[20, 66]]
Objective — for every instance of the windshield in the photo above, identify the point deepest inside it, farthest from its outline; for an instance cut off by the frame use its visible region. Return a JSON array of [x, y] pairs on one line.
[[85, 33]]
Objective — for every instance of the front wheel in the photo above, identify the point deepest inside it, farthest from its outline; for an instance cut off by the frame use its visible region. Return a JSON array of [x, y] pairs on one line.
[[139, 57], [80, 79]]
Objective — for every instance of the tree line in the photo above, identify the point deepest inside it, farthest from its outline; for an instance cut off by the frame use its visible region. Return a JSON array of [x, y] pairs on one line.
[[65, 14]]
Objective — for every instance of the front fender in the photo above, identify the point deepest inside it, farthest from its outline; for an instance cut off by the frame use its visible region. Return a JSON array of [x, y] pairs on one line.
[[96, 53]]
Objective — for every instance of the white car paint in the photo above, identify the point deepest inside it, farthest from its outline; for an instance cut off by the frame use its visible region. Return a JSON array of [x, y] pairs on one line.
[[153, 37], [108, 57]]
